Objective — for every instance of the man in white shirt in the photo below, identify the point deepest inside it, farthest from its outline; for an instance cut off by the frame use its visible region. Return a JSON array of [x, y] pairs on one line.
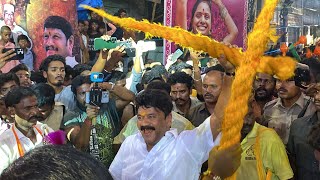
[[158, 152], [26, 133]]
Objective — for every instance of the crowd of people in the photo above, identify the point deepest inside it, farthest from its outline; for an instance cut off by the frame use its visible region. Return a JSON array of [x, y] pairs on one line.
[[155, 122]]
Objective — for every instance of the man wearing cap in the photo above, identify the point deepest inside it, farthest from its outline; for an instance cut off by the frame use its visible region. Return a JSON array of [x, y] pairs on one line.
[[58, 38], [8, 20]]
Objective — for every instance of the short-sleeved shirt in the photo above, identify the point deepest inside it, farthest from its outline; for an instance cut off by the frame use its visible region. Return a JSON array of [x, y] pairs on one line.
[[279, 117], [306, 164], [178, 122], [273, 155], [194, 103], [198, 114], [173, 157], [66, 97], [106, 129]]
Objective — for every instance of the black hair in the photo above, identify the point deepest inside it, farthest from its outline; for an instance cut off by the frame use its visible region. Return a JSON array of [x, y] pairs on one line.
[[45, 94], [314, 137], [69, 71], [195, 6], [4, 28], [37, 77], [22, 37], [7, 77], [159, 85], [180, 77], [45, 63], [50, 162], [58, 22], [155, 98], [17, 94], [314, 66], [78, 81], [79, 68], [217, 67], [117, 76], [19, 67]]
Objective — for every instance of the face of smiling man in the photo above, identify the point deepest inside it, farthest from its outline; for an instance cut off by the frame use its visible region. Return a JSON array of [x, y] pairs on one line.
[[55, 42]]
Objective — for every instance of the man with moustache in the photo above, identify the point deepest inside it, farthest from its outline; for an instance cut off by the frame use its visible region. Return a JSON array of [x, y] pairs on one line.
[[58, 38], [211, 88], [301, 153], [158, 152], [26, 133], [264, 87], [53, 69], [181, 89], [281, 112]]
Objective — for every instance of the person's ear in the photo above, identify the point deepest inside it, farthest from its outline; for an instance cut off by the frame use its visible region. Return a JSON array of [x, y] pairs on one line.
[[45, 75], [169, 120], [70, 43]]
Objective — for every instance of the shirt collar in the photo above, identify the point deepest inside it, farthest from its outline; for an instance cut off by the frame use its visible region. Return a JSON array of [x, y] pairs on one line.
[[252, 134], [299, 102], [21, 135]]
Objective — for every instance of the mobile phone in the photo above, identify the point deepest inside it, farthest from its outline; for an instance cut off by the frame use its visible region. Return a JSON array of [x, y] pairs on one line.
[[176, 55], [19, 53]]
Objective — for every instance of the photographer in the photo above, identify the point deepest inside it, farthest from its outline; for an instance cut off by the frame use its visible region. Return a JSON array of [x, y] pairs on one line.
[[79, 124], [291, 104]]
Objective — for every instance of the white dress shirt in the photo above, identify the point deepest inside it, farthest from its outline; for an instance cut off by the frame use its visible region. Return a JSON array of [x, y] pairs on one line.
[[173, 157], [8, 144]]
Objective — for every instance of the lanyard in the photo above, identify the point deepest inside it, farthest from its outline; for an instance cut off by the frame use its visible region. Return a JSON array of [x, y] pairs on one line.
[[20, 149]]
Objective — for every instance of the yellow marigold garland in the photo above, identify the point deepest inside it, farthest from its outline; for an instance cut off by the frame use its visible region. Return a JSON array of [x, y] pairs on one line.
[[246, 63]]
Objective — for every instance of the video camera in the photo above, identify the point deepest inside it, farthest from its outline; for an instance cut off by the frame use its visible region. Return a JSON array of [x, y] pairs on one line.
[[97, 96], [302, 77], [129, 45]]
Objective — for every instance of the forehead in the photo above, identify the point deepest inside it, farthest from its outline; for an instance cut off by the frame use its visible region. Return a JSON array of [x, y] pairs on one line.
[[203, 6], [6, 31], [264, 76], [142, 111], [22, 72], [55, 64], [83, 88], [9, 84], [53, 31], [179, 86], [213, 75], [28, 101]]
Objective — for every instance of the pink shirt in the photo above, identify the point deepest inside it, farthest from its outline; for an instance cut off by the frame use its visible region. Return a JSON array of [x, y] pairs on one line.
[[10, 64]]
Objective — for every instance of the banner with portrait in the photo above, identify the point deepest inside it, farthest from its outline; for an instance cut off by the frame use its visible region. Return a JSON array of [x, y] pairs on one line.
[[28, 16], [222, 20]]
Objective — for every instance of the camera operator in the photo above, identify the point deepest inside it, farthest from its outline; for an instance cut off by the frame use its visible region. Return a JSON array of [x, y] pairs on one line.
[[79, 124], [291, 104]]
